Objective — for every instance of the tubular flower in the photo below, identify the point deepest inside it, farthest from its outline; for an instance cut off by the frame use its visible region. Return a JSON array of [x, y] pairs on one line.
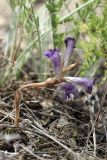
[[68, 89], [53, 55], [70, 45], [86, 83]]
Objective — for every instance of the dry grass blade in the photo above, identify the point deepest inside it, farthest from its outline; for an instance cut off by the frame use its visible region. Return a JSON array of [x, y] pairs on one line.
[[99, 112], [7, 115], [43, 132], [31, 153]]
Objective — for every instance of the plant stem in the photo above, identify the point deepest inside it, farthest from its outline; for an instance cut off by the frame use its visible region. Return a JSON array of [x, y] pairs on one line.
[[74, 11]]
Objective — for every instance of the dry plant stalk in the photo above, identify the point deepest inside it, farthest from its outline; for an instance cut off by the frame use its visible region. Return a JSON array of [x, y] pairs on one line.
[[50, 82], [60, 68]]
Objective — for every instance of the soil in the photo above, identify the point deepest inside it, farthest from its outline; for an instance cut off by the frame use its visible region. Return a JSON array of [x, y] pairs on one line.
[[52, 128]]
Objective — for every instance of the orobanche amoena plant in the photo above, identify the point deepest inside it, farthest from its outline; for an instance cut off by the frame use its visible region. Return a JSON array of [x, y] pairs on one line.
[[65, 83]]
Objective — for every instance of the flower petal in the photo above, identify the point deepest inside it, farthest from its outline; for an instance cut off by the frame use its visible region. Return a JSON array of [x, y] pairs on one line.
[[86, 83], [54, 56], [68, 89], [70, 45]]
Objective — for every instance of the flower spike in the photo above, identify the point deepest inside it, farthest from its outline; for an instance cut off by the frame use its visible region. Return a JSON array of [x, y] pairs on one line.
[[69, 89], [53, 55], [86, 83], [67, 84], [70, 45]]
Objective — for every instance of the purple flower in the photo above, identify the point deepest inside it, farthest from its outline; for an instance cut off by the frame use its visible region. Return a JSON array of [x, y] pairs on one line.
[[70, 45], [54, 56], [68, 89], [70, 82], [86, 83]]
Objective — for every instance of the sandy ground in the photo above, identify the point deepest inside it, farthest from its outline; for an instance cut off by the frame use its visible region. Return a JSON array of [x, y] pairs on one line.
[[5, 16]]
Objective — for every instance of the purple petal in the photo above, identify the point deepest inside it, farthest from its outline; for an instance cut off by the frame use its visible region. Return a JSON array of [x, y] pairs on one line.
[[86, 83], [54, 56], [70, 45], [69, 89]]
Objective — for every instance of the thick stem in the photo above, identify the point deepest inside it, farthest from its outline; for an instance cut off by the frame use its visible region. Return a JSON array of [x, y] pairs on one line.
[[18, 96], [70, 67], [50, 82]]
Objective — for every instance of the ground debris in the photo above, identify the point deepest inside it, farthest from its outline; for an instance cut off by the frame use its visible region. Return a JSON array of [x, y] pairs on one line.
[[50, 128]]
